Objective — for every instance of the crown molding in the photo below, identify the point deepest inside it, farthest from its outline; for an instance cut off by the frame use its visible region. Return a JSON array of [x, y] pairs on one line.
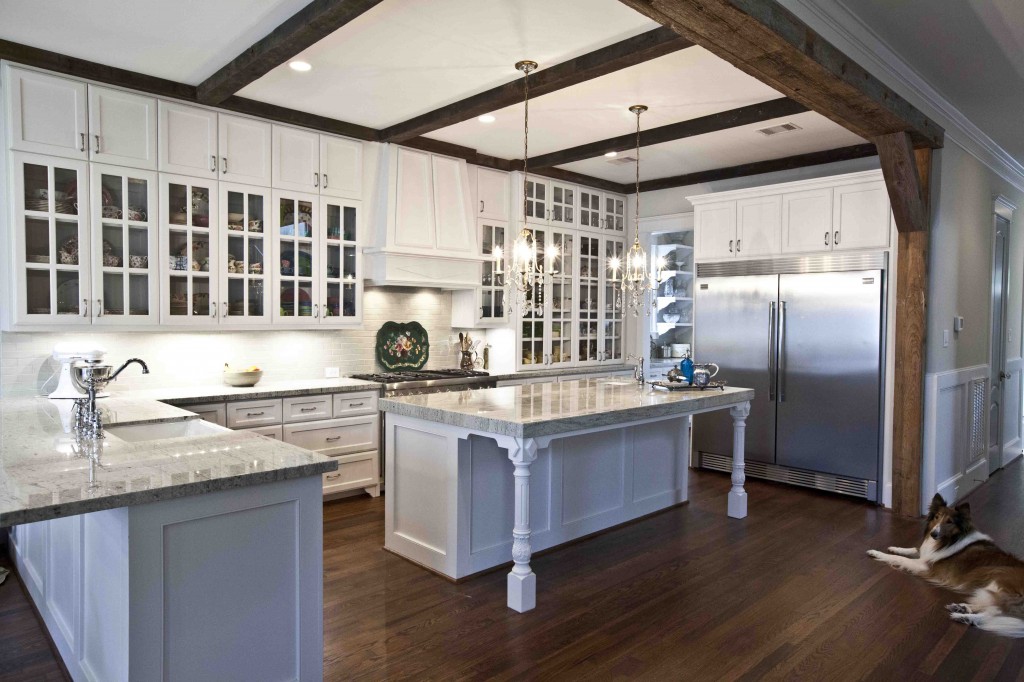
[[850, 34]]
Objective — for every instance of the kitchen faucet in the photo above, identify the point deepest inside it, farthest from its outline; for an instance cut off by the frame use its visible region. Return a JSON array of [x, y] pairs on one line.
[[638, 370], [94, 377]]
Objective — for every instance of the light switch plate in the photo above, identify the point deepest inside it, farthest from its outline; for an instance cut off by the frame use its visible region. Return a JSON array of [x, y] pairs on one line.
[[331, 372]]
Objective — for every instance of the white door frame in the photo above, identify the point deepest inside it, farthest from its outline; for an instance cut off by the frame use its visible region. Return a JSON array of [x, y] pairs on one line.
[[1003, 210]]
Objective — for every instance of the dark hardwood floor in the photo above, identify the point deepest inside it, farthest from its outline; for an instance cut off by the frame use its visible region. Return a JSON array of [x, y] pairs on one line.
[[687, 594]]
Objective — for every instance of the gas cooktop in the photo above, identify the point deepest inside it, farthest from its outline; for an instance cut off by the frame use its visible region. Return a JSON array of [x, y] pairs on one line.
[[435, 379]]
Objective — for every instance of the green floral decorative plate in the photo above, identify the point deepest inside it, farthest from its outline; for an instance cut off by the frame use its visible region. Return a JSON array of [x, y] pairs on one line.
[[402, 345]]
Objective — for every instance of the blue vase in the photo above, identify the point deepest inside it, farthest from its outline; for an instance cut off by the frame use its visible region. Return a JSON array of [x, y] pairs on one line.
[[686, 367]]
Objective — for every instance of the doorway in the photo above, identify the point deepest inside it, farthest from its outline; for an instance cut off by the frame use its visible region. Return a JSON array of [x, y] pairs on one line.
[[997, 352]]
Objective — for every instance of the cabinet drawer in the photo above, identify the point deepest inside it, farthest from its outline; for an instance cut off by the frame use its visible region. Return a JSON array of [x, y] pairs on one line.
[[268, 431], [253, 413], [307, 408], [351, 404], [336, 436], [211, 412], [358, 472]]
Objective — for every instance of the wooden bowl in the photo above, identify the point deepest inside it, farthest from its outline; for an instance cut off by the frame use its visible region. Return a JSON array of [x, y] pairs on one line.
[[242, 379]]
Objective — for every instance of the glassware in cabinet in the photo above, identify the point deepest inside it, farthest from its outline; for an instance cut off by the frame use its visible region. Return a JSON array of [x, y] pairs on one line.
[[189, 250], [296, 268], [51, 240], [492, 284], [341, 278], [559, 300], [589, 280], [612, 319], [245, 245], [124, 246]]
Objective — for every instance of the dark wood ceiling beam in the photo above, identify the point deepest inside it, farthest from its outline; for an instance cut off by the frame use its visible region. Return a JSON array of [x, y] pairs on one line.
[[304, 119], [311, 24], [857, 151], [629, 52], [755, 113], [767, 41]]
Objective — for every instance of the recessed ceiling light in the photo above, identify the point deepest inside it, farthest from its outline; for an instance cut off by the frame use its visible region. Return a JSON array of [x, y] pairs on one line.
[[486, 118], [611, 154], [299, 65]]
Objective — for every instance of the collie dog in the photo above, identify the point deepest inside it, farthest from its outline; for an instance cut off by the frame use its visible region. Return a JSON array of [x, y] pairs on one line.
[[955, 555]]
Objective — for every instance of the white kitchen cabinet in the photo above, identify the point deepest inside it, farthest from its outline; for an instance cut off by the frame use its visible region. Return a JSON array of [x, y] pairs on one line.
[[341, 167], [354, 471], [612, 320], [807, 220], [589, 299], [51, 254], [590, 209], [125, 254], [122, 128], [188, 140], [860, 216], [296, 164], [614, 212], [484, 306], [189, 248], [758, 226], [47, 114], [296, 269], [414, 203], [715, 225], [244, 149], [242, 270], [340, 279], [250, 413], [492, 193], [210, 412], [333, 437], [564, 205], [452, 222], [538, 199]]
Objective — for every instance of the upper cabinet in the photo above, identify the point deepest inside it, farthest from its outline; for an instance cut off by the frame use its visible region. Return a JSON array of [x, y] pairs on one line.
[[614, 212], [310, 162], [188, 140], [454, 229], [243, 145], [827, 214], [492, 193], [47, 114], [122, 128], [341, 167]]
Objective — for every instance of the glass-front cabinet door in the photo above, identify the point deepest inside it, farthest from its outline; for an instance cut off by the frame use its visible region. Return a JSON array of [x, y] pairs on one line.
[[244, 255], [590, 209], [189, 250], [588, 299], [612, 320], [51, 241], [537, 206], [559, 308], [563, 205], [296, 264], [341, 280], [614, 213], [125, 246], [532, 324], [492, 284]]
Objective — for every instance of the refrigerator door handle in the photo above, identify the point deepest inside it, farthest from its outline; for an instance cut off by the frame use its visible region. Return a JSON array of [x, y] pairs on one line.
[[772, 349], [782, 352]]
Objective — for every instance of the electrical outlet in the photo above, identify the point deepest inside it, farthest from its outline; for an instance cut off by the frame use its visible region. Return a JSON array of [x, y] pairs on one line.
[[945, 338], [331, 372]]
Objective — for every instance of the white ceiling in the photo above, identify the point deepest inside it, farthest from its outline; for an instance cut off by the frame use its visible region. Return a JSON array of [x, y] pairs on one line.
[[406, 57], [722, 149], [183, 40], [971, 51]]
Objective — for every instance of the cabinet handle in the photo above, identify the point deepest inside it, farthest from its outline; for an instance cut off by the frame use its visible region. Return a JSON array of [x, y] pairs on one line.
[[255, 414], [356, 404], [213, 163], [225, 304], [82, 148], [738, 245], [224, 164], [97, 143], [316, 310], [481, 205], [307, 409], [835, 238], [316, 179], [99, 307], [213, 310], [331, 439], [730, 246], [85, 307], [826, 238], [331, 477], [325, 180]]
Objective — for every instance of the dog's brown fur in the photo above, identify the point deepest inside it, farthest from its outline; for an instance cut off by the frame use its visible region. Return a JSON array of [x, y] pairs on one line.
[[956, 556]]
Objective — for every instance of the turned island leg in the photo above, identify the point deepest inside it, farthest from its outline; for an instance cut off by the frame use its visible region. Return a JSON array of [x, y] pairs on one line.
[[522, 581], [738, 496]]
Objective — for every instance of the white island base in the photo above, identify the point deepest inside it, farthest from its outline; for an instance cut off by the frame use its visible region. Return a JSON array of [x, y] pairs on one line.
[[225, 585], [452, 505]]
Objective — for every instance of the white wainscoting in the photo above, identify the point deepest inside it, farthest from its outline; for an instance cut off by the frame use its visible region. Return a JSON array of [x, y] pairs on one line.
[[955, 428]]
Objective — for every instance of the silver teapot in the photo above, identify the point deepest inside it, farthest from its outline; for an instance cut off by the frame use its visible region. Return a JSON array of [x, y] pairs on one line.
[[702, 375]]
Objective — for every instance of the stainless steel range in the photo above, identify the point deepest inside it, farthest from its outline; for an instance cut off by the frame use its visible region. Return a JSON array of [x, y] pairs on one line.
[[418, 382]]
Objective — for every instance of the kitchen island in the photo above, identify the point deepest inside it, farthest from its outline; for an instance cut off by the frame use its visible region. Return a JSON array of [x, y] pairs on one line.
[[173, 549], [586, 455]]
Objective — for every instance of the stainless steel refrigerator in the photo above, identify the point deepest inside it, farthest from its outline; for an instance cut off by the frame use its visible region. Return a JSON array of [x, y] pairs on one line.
[[808, 335]]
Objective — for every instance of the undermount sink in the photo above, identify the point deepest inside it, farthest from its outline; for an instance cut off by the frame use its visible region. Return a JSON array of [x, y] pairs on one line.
[[135, 433]]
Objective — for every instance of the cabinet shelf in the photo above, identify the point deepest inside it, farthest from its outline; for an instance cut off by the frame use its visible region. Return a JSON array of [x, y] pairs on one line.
[[663, 327]]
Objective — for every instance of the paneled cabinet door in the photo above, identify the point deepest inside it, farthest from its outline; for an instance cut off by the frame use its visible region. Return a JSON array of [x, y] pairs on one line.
[[296, 266], [51, 240], [245, 255], [414, 200], [296, 160], [860, 216], [590, 209], [341, 279], [243, 145], [715, 226], [564, 205], [47, 114], [758, 226], [189, 243], [807, 221], [125, 246], [341, 167], [612, 320], [188, 140], [588, 299], [559, 305], [492, 193], [614, 212], [456, 230], [122, 128]]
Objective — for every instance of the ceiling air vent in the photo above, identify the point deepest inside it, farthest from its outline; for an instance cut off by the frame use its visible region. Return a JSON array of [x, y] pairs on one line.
[[622, 160], [775, 130]]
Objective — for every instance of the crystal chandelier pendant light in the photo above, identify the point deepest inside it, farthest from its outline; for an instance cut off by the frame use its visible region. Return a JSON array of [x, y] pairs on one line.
[[525, 276], [637, 284]]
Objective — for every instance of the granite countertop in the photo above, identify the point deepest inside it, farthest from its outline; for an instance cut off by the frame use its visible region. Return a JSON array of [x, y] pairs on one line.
[[545, 409], [560, 371], [213, 393], [44, 473]]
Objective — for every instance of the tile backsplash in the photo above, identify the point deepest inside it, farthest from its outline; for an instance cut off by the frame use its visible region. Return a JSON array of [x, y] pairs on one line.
[[181, 358]]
